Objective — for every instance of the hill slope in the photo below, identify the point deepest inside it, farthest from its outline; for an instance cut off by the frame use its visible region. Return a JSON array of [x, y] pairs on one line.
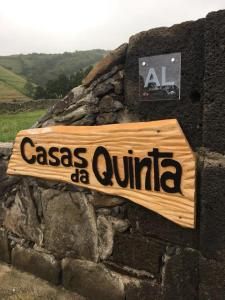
[[39, 68], [7, 93], [11, 85]]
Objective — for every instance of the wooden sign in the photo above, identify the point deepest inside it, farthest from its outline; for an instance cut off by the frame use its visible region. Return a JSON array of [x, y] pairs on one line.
[[150, 163]]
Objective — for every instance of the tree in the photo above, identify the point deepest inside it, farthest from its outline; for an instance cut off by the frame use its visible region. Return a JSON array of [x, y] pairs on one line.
[[29, 89], [59, 87], [40, 93]]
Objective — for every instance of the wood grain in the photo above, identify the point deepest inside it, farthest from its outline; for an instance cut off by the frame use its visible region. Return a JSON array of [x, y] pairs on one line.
[[166, 135]]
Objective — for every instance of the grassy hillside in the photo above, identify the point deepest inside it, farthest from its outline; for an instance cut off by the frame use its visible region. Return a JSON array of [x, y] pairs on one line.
[[7, 93], [11, 85], [39, 68], [15, 81]]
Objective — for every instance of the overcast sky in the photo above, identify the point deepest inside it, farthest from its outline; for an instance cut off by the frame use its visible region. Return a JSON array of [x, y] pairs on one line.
[[53, 26]]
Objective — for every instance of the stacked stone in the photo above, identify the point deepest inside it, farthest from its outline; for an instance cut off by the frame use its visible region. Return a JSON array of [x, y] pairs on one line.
[[100, 100]]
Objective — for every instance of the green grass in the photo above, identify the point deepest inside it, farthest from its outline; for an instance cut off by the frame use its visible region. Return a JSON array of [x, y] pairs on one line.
[[10, 123], [11, 85], [15, 81]]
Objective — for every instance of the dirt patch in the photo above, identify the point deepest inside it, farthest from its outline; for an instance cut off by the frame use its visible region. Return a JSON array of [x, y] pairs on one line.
[[17, 285]]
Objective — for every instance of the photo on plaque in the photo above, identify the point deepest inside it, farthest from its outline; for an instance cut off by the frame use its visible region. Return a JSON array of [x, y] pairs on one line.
[[159, 77]]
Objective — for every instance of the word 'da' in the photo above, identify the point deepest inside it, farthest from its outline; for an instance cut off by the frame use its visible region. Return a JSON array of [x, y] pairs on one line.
[[149, 163]]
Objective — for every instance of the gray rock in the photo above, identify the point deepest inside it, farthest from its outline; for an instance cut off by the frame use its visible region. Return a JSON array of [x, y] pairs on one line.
[[21, 218], [143, 290], [212, 233], [5, 251], [75, 95], [212, 279], [119, 225], [105, 233], [104, 88], [5, 149], [92, 280], [118, 87], [48, 123], [106, 118], [3, 168], [116, 70], [147, 223], [107, 226], [87, 120], [77, 114], [98, 200], [108, 104], [138, 252], [70, 225], [2, 213], [180, 276], [88, 99], [40, 264], [7, 184]]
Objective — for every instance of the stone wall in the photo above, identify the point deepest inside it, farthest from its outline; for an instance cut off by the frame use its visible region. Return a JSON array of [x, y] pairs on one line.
[[15, 107], [105, 247]]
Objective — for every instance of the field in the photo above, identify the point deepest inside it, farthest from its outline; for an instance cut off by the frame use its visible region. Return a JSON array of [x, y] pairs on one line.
[[15, 81], [11, 86], [11, 123], [9, 94]]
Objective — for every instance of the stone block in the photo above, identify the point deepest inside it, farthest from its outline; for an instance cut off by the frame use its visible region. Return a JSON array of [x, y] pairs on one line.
[[214, 82], [40, 264], [5, 149], [99, 200], [187, 38], [22, 217], [138, 252], [212, 211], [5, 251], [92, 280], [3, 167], [108, 104], [149, 223], [143, 290], [180, 276], [211, 279], [106, 118], [70, 225]]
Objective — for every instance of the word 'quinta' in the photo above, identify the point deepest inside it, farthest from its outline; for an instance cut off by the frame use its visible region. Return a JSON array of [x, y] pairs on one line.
[[138, 173], [151, 173]]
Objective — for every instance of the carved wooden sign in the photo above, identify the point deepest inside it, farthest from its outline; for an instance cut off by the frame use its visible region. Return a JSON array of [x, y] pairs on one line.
[[150, 163]]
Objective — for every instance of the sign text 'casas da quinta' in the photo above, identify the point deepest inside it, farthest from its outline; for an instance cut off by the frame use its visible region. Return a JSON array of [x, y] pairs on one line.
[[150, 163]]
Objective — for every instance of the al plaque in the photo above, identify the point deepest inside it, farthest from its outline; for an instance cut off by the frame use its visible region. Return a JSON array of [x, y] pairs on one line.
[[159, 77]]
